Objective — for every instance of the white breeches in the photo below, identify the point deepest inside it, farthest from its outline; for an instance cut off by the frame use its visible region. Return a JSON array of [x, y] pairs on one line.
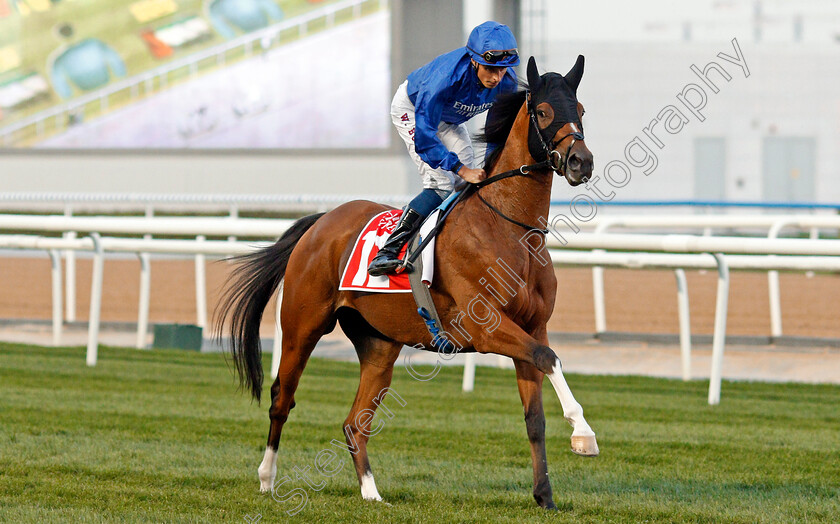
[[454, 137]]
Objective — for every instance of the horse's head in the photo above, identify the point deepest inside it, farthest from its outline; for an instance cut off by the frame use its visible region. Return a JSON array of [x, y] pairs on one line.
[[555, 110]]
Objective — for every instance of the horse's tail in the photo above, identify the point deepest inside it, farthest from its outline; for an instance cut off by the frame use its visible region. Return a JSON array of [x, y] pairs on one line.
[[248, 290]]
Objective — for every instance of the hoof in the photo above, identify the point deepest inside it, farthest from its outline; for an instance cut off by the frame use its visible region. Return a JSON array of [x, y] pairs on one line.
[[376, 499], [266, 483], [585, 446]]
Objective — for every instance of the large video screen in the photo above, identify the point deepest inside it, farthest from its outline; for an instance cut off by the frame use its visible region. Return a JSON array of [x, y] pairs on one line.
[[194, 74]]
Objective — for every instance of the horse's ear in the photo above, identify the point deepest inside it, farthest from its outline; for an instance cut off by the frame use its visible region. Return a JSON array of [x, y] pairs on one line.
[[533, 75], [575, 74]]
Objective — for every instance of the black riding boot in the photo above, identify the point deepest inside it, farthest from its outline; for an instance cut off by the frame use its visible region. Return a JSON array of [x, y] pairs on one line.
[[387, 260]]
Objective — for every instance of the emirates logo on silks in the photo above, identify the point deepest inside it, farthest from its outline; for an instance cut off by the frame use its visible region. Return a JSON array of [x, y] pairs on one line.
[[470, 110]]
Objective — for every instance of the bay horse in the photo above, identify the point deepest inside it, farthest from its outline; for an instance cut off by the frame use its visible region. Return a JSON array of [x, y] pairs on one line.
[[539, 132]]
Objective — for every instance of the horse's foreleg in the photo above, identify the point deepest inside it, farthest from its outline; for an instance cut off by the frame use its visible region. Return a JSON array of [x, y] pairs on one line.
[[510, 340], [583, 438], [530, 379], [374, 386]]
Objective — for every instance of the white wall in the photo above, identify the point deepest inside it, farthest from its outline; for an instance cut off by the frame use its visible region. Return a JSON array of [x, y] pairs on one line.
[[205, 173], [791, 91]]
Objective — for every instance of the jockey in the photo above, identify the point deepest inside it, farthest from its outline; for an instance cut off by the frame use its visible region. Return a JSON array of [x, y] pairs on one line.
[[429, 111]]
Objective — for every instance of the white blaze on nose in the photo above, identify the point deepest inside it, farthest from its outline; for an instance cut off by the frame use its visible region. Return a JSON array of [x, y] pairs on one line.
[[575, 129]]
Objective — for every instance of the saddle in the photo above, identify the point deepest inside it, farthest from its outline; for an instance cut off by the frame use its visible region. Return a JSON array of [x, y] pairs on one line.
[[416, 271]]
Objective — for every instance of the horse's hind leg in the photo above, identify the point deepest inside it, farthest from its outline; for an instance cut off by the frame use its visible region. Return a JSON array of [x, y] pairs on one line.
[[300, 334], [376, 358], [374, 385]]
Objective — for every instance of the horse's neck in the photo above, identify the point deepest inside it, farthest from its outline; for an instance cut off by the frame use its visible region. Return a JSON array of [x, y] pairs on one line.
[[523, 198]]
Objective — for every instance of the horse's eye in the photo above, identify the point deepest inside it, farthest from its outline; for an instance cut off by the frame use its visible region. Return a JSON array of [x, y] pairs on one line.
[[541, 113]]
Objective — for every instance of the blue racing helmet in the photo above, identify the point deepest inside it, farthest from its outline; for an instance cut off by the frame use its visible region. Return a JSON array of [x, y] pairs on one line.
[[493, 44]]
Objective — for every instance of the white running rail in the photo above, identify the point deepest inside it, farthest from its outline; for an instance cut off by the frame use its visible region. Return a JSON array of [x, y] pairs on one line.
[[665, 251]]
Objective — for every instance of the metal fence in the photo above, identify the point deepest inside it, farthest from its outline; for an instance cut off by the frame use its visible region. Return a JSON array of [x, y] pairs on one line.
[[661, 250]]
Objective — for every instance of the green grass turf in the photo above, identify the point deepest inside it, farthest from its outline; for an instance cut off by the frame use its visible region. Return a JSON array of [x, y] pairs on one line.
[[162, 436]]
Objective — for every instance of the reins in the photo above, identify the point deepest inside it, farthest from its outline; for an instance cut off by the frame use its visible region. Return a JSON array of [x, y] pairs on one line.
[[509, 219], [521, 171]]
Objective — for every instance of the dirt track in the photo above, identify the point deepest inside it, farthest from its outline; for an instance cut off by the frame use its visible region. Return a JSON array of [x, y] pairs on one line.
[[637, 300]]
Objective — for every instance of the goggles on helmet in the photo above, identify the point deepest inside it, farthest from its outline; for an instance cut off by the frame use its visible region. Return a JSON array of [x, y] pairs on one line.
[[493, 57]]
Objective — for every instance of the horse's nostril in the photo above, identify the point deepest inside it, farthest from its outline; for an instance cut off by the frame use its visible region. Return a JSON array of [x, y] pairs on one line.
[[574, 161]]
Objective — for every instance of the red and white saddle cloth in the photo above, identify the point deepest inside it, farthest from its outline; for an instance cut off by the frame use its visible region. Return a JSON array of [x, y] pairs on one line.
[[373, 236]]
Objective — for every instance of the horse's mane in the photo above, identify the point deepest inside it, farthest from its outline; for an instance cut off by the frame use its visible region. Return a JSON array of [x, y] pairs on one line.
[[499, 123]]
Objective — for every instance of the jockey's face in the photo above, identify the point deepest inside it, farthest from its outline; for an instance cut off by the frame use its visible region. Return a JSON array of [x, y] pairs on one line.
[[489, 76]]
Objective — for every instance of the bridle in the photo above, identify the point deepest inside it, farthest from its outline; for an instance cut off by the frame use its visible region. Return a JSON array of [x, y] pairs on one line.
[[554, 161]]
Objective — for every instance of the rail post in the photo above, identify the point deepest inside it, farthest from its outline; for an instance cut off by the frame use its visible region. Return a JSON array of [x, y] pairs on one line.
[[95, 300], [145, 289], [55, 259], [200, 287], [70, 270], [598, 299], [813, 235], [773, 286], [234, 214], [468, 382], [685, 323], [145, 295], [719, 337]]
